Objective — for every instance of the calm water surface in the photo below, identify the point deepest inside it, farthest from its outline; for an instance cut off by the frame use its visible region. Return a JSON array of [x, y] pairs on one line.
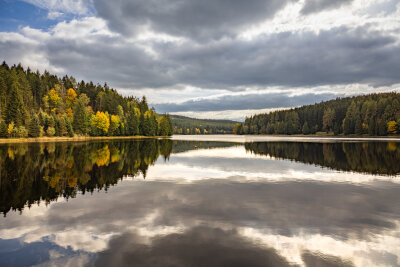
[[216, 202]]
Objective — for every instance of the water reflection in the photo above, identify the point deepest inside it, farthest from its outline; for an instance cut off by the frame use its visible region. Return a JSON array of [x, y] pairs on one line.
[[230, 215], [368, 157], [43, 172]]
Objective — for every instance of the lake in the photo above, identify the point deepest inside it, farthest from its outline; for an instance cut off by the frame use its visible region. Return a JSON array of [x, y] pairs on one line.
[[201, 201]]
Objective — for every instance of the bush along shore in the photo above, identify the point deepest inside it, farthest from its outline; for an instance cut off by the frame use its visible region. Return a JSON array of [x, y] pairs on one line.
[[34, 105]]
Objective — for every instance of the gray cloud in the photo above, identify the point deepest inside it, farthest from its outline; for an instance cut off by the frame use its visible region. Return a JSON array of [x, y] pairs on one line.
[[317, 259], [200, 246], [207, 19], [332, 57], [336, 56], [240, 102], [312, 6], [131, 66]]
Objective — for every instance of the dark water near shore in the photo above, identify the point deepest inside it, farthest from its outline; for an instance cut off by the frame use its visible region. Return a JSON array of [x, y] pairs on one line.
[[200, 203]]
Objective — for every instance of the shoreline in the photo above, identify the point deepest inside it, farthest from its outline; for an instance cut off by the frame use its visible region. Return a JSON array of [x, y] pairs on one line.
[[285, 138], [71, 139], [202, 136]]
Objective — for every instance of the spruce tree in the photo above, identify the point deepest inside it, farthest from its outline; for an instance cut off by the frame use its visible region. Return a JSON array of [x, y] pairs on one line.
[[306, 129], [34, 127], [69, 127], [3, 129], [80, 115], [15, 109], [372, 126], [62, 127], [358, 126]]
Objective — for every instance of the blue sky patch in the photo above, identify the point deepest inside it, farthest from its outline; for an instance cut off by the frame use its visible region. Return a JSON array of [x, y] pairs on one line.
[[16, 14]]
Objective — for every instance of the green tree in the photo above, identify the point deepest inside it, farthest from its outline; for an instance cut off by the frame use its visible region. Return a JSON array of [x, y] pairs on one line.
[[3, 129], [328, 119], [15, 110], [372, 126], [132, 120], [34, 126], [306, 129], [164, 128], [62, 127], [358, 129], [68, 125], [237, 128], [80, 123]]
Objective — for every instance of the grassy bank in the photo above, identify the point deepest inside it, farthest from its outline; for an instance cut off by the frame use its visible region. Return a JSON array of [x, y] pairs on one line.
[[70, 139]]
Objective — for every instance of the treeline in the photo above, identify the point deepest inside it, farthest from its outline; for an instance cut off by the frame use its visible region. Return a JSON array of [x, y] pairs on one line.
[[185, 125], [43, 172], [34, 104], [374, 114]]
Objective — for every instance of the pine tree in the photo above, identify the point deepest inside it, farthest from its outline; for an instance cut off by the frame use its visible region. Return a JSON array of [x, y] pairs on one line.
[[34, 127], [372, 126], [15, 109], [62, 130], [69, 127], [358, 126], [306, 129], [3, 129], [3, 93], [80, 115]]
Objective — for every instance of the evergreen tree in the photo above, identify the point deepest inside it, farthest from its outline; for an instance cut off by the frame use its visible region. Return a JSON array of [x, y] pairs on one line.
[[80, 123], [372, 126], [3, 129], [358, 126], [62, 127], [15, 109], [34, 127], [306, 129], [69, 127]]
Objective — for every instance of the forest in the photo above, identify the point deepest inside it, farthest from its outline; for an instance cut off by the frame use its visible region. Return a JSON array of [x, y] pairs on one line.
[[186, 125], [373, 115], [34, 104]]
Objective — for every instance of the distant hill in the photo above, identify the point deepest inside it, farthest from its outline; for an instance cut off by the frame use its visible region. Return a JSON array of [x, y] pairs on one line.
[[374, 114], [186, 125]]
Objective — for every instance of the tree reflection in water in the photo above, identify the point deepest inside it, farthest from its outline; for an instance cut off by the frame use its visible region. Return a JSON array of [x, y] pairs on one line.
[[31, 173], [366, 157]]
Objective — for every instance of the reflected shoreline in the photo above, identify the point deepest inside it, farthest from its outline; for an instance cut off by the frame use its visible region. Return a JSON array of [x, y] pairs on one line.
[[280, 138]]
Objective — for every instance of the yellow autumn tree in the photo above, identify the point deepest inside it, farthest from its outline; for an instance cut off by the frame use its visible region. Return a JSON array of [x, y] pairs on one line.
[[114, 124], [101, 121], [70, 98], [392, 127], [54, 100], [10, 128]]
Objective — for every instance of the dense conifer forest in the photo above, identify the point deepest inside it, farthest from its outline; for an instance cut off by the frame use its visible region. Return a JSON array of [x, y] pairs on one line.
[[186, 125], [374, 115], [41, 104]]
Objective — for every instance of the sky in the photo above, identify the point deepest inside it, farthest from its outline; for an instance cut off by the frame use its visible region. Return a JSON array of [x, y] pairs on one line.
[[222, 59]]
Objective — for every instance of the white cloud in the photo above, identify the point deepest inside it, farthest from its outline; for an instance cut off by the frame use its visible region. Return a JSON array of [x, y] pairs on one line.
[[79, 7], [54, 15]]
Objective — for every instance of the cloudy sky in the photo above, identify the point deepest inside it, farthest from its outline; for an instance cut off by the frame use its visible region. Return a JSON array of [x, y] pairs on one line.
[[211, 58]]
